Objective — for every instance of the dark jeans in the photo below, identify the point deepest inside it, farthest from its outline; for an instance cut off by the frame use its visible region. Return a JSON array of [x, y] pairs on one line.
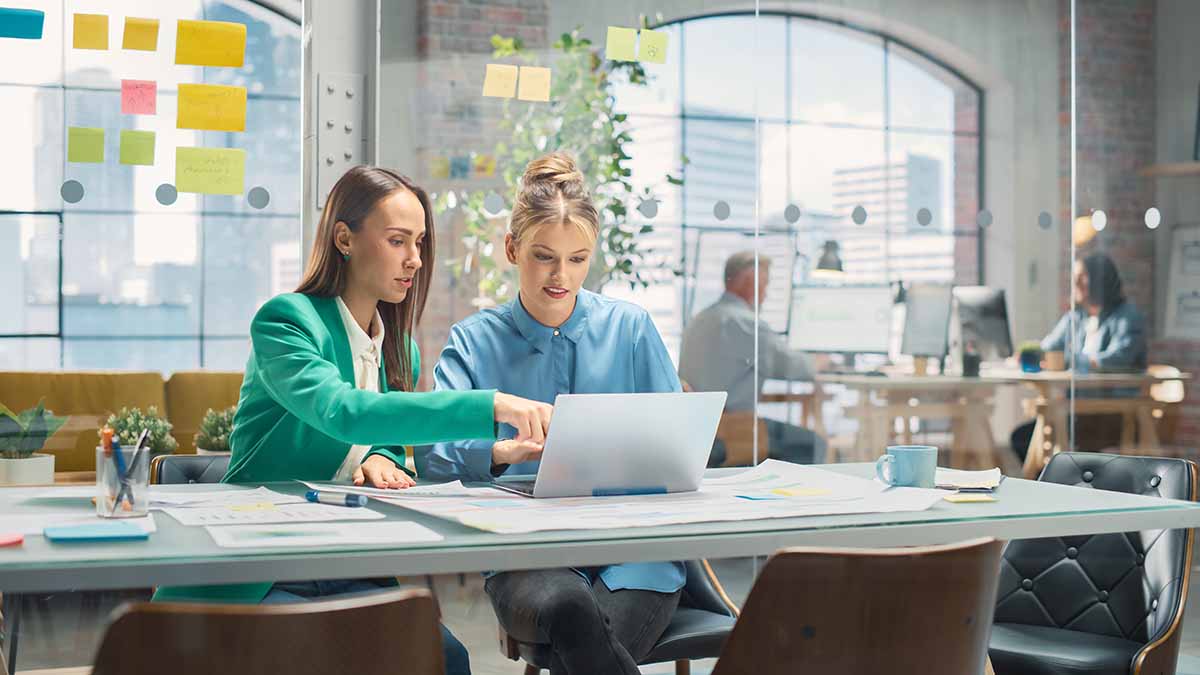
[[784, 441], [457, 660], [589, 628]]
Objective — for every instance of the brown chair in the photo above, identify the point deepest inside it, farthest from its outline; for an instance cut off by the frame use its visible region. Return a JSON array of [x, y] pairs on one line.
[[736, 431], [310, 638], [908, 611]]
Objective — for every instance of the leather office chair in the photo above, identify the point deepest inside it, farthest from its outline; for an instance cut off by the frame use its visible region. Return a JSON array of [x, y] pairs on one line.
[[1108, 603], [697, 630], [177, 469], [308, 638], [900, 611]]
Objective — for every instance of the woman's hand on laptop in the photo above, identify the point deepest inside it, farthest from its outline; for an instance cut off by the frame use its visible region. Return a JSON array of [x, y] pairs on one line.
[[512, 451], [530, 418]]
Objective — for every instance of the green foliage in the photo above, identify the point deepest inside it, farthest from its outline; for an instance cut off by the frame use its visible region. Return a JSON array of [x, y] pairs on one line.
[[24, 433], [129, 423], [580, 119], [1030, 347], [215, 430]]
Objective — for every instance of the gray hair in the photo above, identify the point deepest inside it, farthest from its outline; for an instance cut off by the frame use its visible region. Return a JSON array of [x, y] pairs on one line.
[[741, 261]]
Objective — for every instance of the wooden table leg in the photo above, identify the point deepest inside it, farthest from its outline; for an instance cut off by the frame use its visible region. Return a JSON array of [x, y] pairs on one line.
[[1035, 455], [1147, 433]]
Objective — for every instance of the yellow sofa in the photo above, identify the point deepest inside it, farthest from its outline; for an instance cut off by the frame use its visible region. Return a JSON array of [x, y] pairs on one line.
[[190, 394]]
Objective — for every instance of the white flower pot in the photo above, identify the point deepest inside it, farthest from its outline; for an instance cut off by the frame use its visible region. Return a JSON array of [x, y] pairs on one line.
[[202, 451], [35, 470]]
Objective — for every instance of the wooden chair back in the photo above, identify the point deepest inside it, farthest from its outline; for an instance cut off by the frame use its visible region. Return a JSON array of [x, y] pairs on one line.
[[736, 431]]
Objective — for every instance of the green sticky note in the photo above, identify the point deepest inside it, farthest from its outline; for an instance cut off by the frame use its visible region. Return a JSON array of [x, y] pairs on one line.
[[214, 171], [653, 48], [137, 147], [85, 144], [621, 44]]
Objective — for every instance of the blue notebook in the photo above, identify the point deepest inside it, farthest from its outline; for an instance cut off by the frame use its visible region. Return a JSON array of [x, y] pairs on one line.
[[113, 531]]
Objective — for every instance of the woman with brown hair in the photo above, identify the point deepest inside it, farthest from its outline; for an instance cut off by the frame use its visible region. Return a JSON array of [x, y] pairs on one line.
[[329, 391], [558, 338]]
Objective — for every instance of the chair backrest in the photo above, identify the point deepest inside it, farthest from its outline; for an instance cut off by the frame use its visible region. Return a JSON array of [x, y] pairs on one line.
[[866, 611], [190, 394], [1129, 585], [311, 638], [736, 431], [177, 469], [702, 590]]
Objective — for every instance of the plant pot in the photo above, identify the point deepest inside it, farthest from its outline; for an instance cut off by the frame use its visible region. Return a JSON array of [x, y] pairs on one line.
[[1031, 362], [35, 470]]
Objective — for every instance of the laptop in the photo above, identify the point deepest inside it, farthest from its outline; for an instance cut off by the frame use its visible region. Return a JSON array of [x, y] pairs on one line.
[[624, 444]]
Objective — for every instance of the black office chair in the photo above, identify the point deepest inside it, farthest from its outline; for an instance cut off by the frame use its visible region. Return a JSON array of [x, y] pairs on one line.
[[698, 630], [1109, 603], [177, 469]]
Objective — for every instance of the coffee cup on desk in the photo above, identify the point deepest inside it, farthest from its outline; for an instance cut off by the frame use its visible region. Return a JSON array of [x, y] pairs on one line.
[[908, 466], [1055, 361]]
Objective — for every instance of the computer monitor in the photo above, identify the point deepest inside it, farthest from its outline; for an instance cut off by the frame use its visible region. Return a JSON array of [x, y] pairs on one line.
[[927, 320], [982, 319], [845, 319]]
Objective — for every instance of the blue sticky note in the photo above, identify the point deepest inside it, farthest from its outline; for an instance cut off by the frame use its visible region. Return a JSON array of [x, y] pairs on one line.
[[112, 531], [23, 24]]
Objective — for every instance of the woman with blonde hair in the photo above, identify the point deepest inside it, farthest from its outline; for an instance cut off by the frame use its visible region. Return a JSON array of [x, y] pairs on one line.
[[330, 385], [557, 338]]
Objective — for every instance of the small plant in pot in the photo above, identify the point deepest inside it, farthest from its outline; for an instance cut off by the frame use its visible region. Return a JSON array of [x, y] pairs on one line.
[[129, 423], [22, 435], [213, 437], [1031, 357]]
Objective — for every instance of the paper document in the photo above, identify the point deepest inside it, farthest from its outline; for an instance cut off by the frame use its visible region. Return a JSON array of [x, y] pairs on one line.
[[324, 534], [164, 495], [36, 522], [455, 489], [268, 513], [955, 479]]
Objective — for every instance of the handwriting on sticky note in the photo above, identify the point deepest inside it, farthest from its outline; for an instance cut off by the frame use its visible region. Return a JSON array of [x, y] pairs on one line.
[[535, 84], [85, 144], [214, 171], [653, 46], [91, 31], [139, 97], [211, 107], [140, 34], [22, 24], [137, 147], [966, 498], [210, 43], [621, 43], [800, 492], [500, 80]]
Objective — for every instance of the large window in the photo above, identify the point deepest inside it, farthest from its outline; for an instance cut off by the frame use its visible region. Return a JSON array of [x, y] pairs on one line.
[[118, 279], [816, 116]]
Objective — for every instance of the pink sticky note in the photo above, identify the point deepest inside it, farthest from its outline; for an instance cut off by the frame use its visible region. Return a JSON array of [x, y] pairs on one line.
[[139, 97]]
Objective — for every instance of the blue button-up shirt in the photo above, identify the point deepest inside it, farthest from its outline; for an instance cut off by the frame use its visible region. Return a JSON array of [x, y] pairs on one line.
[[607, 346]]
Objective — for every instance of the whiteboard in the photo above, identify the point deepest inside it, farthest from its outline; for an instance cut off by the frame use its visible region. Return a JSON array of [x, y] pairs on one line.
[[851, 319], [1183, 284]]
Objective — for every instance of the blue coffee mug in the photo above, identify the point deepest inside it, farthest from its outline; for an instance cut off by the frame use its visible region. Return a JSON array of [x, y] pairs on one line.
[[908, 466]]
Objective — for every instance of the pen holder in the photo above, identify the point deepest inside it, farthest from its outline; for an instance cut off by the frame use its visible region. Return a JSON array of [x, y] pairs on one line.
[[127, 494]]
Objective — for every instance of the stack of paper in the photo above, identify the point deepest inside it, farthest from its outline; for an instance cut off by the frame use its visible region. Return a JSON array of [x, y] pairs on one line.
[[954, 479]]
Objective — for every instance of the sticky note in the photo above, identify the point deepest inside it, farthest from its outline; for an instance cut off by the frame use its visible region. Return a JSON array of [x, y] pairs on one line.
[[139, 97], [214, 171], [210, 43], [439, 167], [211, 107], [137, 147], [22, 24], [261, 506], [653, 47], [500, 80], [485, 166], [800, 492], [85, 144], [140, 34], [967, 498], [460, 167], [621, 44], [91, 31], [535, 84]]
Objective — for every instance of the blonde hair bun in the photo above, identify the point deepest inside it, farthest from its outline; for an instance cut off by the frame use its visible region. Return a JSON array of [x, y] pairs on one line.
[[557, 169], [553, 192]]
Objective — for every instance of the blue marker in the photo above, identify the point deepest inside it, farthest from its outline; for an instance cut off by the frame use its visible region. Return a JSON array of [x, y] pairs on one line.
[[335, 498]]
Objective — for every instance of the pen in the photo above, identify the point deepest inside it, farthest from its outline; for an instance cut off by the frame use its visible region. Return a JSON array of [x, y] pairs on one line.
[[335, 498]]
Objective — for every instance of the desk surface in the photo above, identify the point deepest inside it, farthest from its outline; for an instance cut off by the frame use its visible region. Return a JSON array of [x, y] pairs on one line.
[[177, 555], [993, 378]]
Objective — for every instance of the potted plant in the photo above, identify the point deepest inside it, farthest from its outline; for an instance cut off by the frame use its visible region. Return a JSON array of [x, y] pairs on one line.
[[1031, 357], [213, 437], [129, 423], [21, 436]]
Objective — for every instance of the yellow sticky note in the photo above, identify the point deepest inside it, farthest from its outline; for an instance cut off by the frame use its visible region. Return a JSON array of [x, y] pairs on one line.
[[800, 492], [439, 167], [653, 47], [968, 498], [85, 144], [211, 107], [535, 84], [621, 44], [485, 166], [263, 506], [137, 147], [214, 171], [140, 34], [210, 43], [91, 31], [500, 80]]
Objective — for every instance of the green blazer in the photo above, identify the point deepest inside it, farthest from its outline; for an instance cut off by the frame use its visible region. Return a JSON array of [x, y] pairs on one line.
[[299, 412]]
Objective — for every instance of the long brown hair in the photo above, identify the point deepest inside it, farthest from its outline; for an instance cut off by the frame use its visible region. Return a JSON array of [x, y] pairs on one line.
[[351, 201]]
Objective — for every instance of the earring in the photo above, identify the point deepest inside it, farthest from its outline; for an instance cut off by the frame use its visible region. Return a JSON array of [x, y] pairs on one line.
[[346, 256]]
